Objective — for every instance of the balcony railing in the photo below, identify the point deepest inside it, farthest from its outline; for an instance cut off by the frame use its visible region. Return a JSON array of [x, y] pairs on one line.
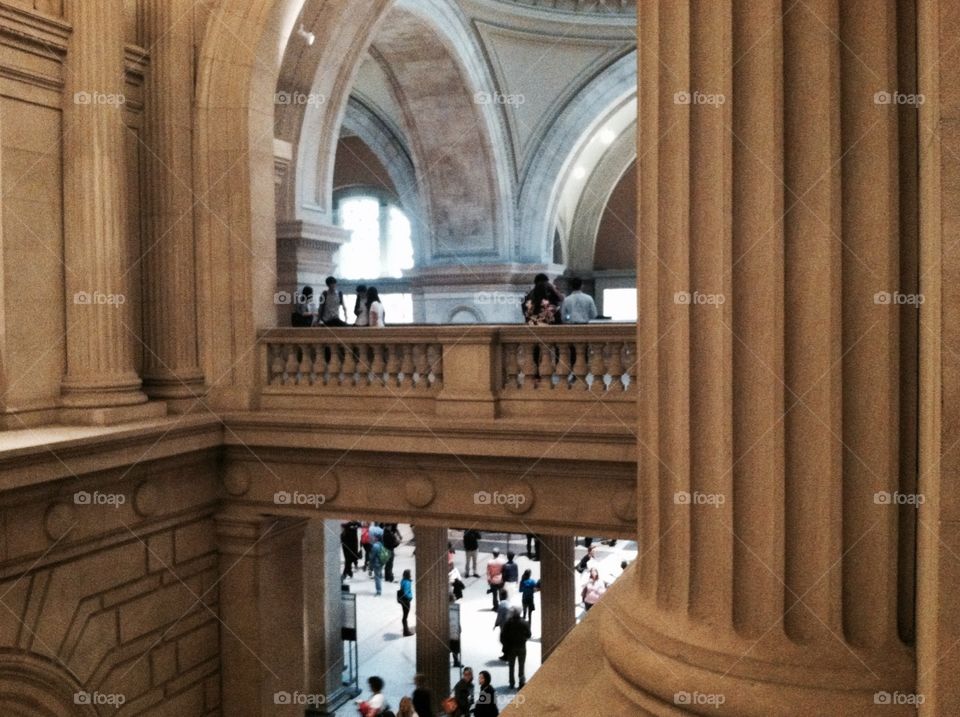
[[466, 371]]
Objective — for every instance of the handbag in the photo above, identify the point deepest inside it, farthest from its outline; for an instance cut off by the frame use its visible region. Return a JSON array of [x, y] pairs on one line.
[[450, 706], [400, 596]]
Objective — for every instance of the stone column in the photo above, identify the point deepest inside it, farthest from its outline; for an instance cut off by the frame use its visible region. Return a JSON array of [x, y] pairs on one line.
[[432, 603], [321, 594], [305, 254], [558, 591], [768, 579], [262, 615], [171, 357], [100, 365]]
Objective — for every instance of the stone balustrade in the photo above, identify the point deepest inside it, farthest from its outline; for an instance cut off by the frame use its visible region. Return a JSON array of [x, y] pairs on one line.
[[466, 371]]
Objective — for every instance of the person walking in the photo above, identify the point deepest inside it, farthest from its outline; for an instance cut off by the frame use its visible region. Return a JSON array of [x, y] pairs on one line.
[[528, 586], [463, 693], [514, 635], [422, 697], [378, 557], [487, 699], [350, 546], [405, 597], [593, 589], [495, 576], [471, 545], [511, 571], [391, 539]]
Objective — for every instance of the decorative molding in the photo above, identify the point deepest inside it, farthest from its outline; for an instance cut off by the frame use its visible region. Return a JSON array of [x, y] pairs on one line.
[[420, 492], [584, 7]]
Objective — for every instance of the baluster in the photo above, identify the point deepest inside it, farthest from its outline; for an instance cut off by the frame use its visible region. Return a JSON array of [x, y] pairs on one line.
[[378, 365], [546, 364], [306, 366], [406, 366], [292, 366], [334, 365], [615, 367], [434, 364], [597, 368], [527, 368], [363, 365], [349, 366], [421, 365], [319, 364], [630, 362], [561, 372], [276, 365], [511, 367], [580, 366], [393, 364]]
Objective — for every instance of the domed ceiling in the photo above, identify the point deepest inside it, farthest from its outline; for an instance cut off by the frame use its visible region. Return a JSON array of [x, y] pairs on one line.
[[626, 7]]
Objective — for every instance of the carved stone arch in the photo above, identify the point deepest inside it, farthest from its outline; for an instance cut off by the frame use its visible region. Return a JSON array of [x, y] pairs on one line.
[[544, 177], [35, 686], [465, 310], [581, 240]]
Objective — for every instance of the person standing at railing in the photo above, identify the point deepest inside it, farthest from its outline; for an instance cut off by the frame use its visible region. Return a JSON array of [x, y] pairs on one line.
[[332, 304], [578, 308], [360, 307], [305, 311], [375, 309], [541, 304]]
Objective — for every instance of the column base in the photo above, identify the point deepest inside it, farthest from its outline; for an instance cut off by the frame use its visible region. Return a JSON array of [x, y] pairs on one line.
[[182, 393], [111, 415], [677, 666]]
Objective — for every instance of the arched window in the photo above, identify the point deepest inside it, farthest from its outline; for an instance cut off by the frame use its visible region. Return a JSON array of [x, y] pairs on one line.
[[381, 242]]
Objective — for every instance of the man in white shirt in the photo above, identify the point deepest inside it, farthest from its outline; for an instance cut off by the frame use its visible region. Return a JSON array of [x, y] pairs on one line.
[[578, 308]]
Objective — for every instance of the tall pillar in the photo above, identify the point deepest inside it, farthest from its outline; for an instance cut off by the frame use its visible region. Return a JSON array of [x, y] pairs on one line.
[[768, 577], [262, 616], [558, 591], [100, 365], [171, 357], [432, 600], [324, 613]]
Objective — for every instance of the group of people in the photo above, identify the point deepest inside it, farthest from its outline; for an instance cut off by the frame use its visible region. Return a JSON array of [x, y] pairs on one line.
[[376, 543], [463, 702], [545, 305], [330, 309]]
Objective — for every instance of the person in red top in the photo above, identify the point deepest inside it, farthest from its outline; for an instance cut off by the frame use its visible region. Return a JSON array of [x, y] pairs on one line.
[[495, 576], [366, 544]]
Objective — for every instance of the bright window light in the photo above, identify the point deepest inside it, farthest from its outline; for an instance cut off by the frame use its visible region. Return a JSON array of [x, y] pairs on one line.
[[360, 257], [398, 308], [620, 304]]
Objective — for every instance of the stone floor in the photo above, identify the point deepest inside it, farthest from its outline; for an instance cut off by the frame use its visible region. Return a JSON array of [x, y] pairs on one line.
[[384, 652]]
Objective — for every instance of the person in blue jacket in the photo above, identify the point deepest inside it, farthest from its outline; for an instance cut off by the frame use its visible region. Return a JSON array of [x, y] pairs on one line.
[[405, 597]]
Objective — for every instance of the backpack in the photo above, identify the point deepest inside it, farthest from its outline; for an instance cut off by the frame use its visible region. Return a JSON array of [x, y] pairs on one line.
[[383, 553]]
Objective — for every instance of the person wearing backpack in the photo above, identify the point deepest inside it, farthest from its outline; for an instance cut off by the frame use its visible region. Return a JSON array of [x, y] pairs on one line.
[[391, 539], [405, 597], [331, 304]]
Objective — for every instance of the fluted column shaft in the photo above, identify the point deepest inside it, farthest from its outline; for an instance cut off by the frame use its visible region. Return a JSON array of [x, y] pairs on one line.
[[769, 189], [432, 603], [558, 591], [100, 363], [171, 357]]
